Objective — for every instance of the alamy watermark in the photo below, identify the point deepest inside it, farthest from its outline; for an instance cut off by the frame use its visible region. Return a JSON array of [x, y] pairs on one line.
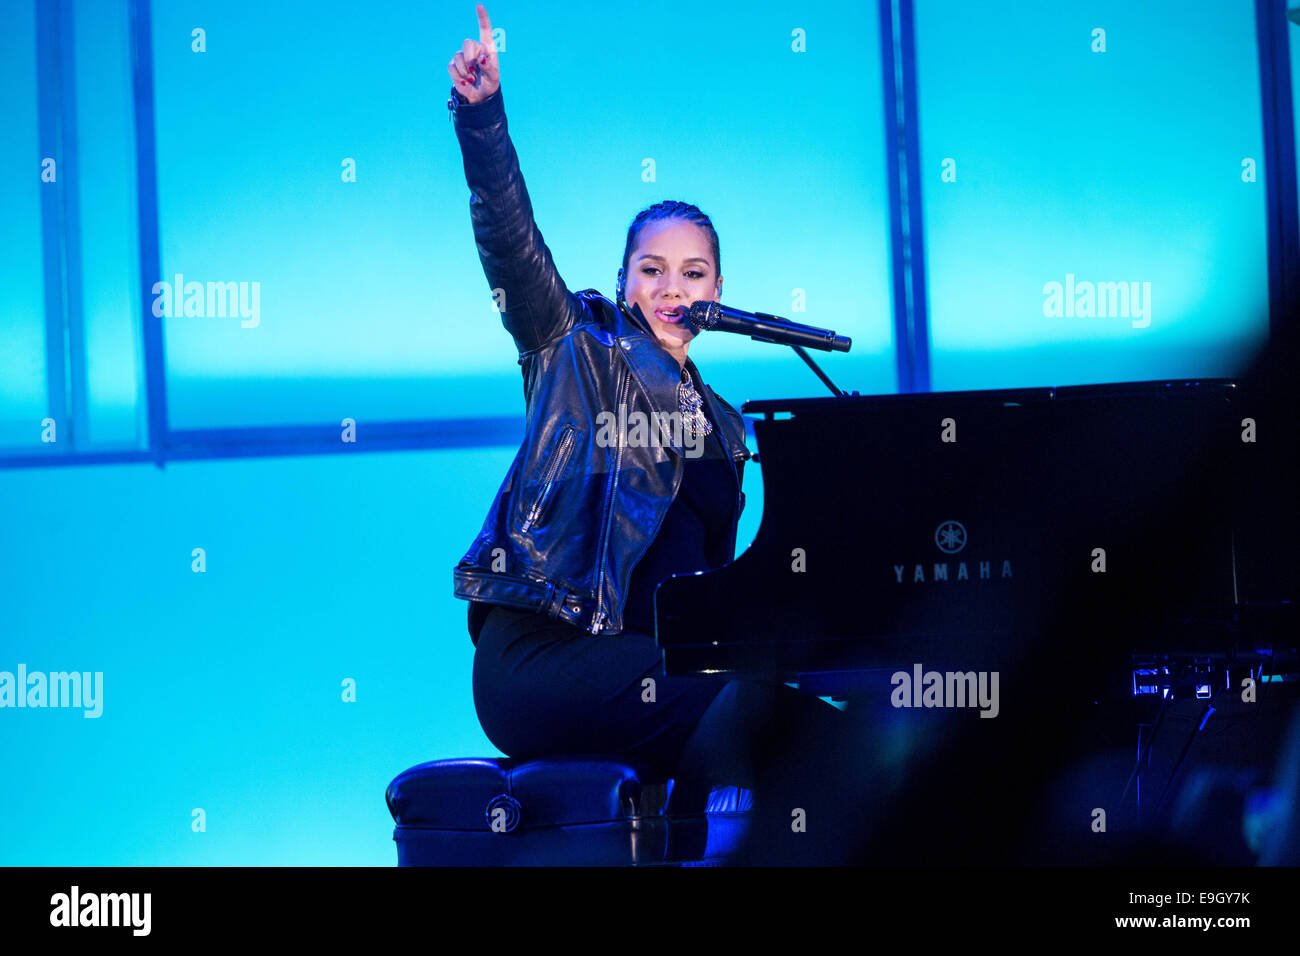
[[212, 300], [637, 429], [1103, 300], [56, 689], [76, 908], [922, 688]]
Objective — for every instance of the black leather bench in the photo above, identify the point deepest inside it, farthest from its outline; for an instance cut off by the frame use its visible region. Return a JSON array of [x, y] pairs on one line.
[[570, 810]]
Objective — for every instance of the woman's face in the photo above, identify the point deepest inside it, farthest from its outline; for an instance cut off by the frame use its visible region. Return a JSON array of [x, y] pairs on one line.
[[671, 267]]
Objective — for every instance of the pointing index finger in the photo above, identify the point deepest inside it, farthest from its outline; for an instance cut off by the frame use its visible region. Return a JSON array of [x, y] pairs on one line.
[[485, 31]]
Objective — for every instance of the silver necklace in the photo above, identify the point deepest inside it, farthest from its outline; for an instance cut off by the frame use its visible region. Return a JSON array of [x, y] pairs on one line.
[[694, 421]]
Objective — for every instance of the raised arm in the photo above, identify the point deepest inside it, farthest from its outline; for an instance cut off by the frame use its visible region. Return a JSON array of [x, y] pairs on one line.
[[536, 307]]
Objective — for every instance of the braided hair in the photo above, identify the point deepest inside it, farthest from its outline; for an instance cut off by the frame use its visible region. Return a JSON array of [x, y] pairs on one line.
[[669, 209]]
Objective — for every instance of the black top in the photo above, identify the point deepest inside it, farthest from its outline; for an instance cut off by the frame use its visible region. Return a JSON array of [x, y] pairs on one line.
[[697, 525]]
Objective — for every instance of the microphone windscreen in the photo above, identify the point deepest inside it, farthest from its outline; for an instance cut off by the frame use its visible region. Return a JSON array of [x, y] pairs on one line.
[[700, 315]]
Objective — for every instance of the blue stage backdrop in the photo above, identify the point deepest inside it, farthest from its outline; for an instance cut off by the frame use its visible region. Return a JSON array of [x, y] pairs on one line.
[[1086, 189]]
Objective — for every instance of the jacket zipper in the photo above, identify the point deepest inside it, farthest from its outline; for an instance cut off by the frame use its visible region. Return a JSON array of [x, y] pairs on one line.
[[678, 475], [731, 459], [598, 618], [553, 469]]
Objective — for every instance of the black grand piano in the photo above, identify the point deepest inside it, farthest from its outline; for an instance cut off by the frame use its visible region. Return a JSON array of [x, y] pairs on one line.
[[960, 529]]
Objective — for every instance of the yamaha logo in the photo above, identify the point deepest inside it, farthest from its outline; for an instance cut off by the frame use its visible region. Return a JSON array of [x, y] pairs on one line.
[[950, 536]]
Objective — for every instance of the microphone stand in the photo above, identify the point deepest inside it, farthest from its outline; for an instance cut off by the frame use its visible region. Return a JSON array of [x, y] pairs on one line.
[[803, 354], [835, 389]]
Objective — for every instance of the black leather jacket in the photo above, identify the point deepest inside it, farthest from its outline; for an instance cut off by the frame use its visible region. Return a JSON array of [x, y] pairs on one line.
[[574, 515]]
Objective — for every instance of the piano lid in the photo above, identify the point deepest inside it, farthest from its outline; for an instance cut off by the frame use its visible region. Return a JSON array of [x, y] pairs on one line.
[[1153, 389]]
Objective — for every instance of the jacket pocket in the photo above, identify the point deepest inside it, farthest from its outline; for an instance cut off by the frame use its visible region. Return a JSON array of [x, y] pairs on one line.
[[560, 455]]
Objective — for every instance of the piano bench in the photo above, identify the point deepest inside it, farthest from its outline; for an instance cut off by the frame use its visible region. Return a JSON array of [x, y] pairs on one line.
[[585, 810]]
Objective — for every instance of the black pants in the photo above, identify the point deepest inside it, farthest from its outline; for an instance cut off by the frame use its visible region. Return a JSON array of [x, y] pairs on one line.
[[543, 687]]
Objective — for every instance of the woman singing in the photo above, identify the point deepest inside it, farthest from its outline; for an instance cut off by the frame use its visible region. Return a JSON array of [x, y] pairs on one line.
[[587, 524]]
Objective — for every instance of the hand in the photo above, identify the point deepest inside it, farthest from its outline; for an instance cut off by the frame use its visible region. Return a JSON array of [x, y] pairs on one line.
[[474, 69]]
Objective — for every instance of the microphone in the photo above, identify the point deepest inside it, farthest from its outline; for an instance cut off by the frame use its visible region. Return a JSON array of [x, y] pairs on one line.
[[763, 327]]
